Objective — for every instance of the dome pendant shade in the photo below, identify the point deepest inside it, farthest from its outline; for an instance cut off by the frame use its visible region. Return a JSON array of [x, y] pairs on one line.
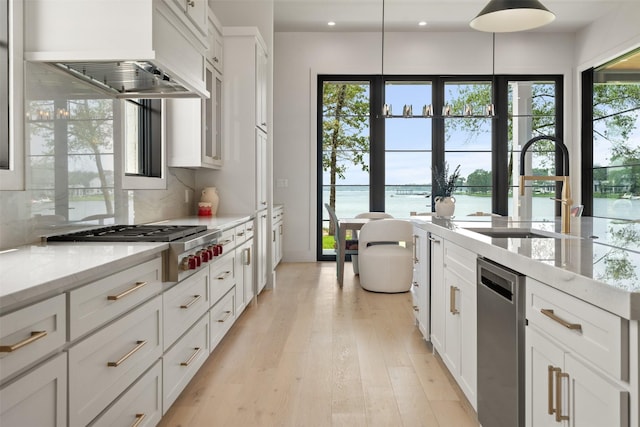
[[503, 16]]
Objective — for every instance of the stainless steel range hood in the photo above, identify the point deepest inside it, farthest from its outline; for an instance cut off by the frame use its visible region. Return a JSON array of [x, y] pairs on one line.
[[128, 79]]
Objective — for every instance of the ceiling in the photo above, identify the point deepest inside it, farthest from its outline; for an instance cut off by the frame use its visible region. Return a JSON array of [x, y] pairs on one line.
[[404, 15]]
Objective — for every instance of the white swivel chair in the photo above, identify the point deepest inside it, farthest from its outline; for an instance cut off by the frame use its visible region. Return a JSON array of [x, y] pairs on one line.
[[371, 215], [385, 255]]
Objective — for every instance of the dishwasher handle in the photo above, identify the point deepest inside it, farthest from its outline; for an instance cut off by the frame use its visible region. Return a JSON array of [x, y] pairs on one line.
[[499, 280]]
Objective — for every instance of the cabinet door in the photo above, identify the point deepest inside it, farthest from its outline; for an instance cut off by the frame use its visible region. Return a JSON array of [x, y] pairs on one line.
[[261, 170], [247, 271], [212, 138], [262, 239], [452, 322], [438, 296], [261, 87], [468, 340], [543, 360], [421, 280], [38, 398], [197, 13], [596, 401]]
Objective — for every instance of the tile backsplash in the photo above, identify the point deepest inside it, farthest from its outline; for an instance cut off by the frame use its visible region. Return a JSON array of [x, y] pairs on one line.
[[73, 166]]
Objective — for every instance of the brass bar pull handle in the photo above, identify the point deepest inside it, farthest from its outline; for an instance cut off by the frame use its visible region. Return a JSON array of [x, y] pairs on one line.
[[139, 418], [137, 286], [431, 239], [193, 356], [190, 303], [226, 242], [139, 345], [452, 300], [35, 335], [247, 256], [223, 275], [224, 319], [551, 371], [559, 376], [549, 313]]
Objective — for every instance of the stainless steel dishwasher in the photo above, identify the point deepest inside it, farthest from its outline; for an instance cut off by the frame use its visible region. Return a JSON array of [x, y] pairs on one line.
[[501, 322]]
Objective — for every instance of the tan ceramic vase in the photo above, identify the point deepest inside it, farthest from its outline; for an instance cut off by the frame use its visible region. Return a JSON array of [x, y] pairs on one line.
[[210, 195]]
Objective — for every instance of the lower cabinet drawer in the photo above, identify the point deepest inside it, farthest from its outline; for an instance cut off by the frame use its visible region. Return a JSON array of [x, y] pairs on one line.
[[37, 399], [102, 301], [141, 405], [109, 361], [222, 276], [183, 360], [595, 334], [183, 304], [222, 316], [31, 333]]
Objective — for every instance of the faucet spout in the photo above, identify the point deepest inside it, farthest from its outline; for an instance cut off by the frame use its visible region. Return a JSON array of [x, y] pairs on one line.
[[565, 199]]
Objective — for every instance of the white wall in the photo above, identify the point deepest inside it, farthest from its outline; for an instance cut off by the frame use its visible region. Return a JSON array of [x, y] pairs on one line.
[[300, 57]]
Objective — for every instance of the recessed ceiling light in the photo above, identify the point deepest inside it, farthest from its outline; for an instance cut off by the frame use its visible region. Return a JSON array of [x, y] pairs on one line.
[[422, 23], [331, 23]]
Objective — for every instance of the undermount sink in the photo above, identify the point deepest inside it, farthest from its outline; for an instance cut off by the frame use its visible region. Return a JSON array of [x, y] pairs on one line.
[[518, 233]]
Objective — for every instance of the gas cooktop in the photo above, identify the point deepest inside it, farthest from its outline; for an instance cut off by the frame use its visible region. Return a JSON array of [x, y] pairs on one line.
[[132, 233]]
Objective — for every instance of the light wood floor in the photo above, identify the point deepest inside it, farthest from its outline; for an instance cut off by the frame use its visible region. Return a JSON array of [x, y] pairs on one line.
[[313, 354]]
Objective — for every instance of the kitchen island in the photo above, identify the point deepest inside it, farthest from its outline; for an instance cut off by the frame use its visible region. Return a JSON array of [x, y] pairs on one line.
[[579, 344]]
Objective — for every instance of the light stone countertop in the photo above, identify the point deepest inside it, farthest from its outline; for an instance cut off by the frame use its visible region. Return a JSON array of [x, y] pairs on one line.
[[599, 262], [34, 272]]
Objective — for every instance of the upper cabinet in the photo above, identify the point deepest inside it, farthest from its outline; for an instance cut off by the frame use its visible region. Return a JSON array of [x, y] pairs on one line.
[[195, 11], [261, 87], [129, 49], [216, 43], [194, 126]]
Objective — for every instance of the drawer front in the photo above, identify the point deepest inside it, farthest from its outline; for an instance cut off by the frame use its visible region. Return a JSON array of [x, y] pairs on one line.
[[248, 230], [241, 234], [184, 359], [37, 399], [183, 304], [222, 277], [141, 404], [227, 240], [99, 302], [586, 330], [460, 260], [107, 362], [222, 316], [31, 333]]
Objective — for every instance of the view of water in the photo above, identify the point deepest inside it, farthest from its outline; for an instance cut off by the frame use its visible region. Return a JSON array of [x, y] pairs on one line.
[[352, 200]]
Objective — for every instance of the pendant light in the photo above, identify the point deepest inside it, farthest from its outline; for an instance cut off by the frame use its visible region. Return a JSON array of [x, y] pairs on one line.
[[504, 16]]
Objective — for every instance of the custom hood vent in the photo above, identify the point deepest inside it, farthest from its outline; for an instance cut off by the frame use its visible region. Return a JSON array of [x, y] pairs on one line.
[[128, 79]]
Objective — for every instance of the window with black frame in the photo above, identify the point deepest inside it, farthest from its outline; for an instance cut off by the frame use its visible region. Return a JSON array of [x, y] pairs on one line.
[[143, 137], [615, 138]]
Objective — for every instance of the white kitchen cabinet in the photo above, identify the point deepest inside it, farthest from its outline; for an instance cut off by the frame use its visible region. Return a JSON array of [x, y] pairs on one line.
[[193, 13], [221, 318], [245, 258], [29, 334], [454, 312], [438, 296], [262, 251], [184, 304], [194, 127], [38, 398], [277, 235], [216, 43], [183, 360], [261, 170], [108, 361], [261, 87], [568, 381], [420, 287], [103, 300], [141, 404]]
